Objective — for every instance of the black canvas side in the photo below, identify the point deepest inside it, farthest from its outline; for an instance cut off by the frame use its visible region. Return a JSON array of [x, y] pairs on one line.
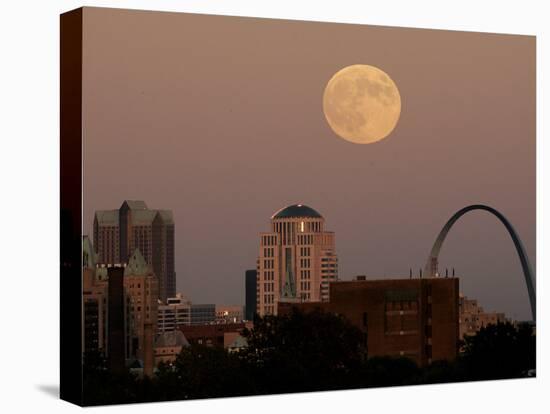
[[71, 206]]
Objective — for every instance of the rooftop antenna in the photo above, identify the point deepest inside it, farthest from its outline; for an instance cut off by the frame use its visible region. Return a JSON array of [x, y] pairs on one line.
[[446, 272], [453, 271], [410, 273], [420, 273]]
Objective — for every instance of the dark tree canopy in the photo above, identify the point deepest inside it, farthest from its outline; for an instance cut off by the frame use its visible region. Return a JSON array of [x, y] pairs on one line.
[[304, 351], [499, 351], [307, 352]]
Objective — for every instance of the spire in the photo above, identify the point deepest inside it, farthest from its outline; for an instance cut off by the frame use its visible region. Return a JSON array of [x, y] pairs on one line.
[[137, 266]]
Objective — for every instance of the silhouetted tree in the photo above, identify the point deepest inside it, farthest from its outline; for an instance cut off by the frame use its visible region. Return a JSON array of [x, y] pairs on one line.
[[303, 351], [306, 352], [499, 351]]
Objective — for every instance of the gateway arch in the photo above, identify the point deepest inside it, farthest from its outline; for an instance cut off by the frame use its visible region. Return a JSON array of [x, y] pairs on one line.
[[432, 263]]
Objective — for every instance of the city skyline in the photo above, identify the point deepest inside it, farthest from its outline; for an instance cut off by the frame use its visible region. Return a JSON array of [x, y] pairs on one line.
[[466, 135]]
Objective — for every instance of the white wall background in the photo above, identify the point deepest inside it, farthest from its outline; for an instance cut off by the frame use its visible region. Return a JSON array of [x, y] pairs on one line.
[[29, 193]]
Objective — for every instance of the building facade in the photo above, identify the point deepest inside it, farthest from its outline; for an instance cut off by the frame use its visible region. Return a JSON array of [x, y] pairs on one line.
[[297, 259], [229, 314], [94, 298], [168, 345], [473, 317], [141, 294], [414, 318], [251, 294], [118, 233], [176, 311], [120, 309], [203, 314], [214, 335]]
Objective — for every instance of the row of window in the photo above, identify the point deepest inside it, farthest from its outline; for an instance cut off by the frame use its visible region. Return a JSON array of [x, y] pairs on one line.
[[305, 285], [269, 310], [305, 262], [269, 275], [305, 239], [269, 298], [288, 230], [269, 240], [305, 251]]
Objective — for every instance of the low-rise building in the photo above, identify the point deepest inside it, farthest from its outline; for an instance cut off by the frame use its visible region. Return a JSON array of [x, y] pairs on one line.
[[202, 314], [168, 345], [216, 335], [415, 318], [472, 317], [176, 311], [229, 314]]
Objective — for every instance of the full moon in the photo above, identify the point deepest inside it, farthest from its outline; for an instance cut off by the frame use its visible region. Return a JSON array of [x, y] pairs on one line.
[[361, 104]]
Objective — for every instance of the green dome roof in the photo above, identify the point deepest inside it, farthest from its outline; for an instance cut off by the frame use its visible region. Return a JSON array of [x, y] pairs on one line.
[[296, 210]]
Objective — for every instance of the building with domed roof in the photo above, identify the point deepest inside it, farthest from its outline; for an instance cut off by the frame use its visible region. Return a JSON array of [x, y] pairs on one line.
[[297, 259]]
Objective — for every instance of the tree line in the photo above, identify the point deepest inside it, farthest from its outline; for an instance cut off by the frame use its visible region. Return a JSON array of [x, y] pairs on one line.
[[301, 352]]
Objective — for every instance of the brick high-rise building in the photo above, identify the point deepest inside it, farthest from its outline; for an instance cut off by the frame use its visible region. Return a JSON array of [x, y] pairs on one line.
[[297, 259], [141, 289], [120, 309], [118, 233], [414, 318]]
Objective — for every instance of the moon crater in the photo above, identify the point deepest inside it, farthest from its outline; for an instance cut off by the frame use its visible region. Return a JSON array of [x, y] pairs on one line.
[[361, 104]]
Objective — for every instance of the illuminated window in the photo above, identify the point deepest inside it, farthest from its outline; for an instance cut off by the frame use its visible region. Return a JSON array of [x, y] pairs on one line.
[[302, 226]]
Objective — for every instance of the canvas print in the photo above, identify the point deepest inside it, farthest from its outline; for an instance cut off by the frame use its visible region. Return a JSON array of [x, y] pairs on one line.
[[260, 206]]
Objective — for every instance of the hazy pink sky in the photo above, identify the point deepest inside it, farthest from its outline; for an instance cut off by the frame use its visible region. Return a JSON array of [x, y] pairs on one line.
[[220, 120]]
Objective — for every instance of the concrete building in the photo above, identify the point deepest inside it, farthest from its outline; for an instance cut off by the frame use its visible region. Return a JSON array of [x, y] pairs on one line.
[[414, 318], [472, 317], [118, 233], [229, 314], [176, 311], [251, 294], [202, 314], [297, 259]]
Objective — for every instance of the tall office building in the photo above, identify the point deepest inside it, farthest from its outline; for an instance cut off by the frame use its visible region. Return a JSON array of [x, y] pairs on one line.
[[118, 233], [297, 259], [251, 285]]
